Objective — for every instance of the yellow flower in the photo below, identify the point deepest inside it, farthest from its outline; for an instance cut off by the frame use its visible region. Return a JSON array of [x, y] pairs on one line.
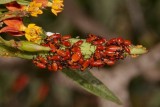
[[44, 2], [57, 6], [34, 8], [33, 33]]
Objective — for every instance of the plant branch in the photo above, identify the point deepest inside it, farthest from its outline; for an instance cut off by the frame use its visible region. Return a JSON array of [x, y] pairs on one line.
[[12, 14], [24, 45]]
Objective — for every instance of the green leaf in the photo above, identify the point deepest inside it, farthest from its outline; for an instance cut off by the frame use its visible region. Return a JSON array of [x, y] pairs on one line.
[[90, 83], [5, 1], [23, 2], [11, 52], [24, 45]]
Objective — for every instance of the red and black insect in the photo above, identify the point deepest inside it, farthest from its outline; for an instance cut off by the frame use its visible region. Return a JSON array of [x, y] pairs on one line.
[[91, 38], [78, 43], [66, 43], [115, 41], [39, 64], [107, 52], [65, 37], [99, 41]]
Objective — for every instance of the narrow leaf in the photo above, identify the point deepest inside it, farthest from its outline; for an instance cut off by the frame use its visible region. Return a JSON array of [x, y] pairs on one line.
[[24, 45], [5, 1], [90, 83], [23, 2], [11, 52]]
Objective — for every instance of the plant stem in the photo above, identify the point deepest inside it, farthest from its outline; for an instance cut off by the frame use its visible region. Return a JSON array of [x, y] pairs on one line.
[[27, 50], [24, 45], [12, 14]]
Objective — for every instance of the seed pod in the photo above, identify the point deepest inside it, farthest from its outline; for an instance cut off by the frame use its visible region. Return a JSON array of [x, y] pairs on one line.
[[98, 50]]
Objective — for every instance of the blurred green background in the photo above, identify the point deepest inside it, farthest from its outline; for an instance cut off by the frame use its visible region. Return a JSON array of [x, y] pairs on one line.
[[24, 85]]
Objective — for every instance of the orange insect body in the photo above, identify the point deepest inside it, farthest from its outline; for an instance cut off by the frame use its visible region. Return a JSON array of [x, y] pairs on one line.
[[52, 46], [66, 43], [67, 55], [74, 66], [109, 62], [97, 63], [91, 38], [118, 41], [61, 53], [81, 60], [76, 56], [85, 64], [54, 66], [65, 37], [54, 36], [100, 47], [97, 54], [107, 52], [127, 49], [40, 65], [78, 43], [75, 49], [42, 60], [127, 42], [55, 57], [114, 48], [99, 42]]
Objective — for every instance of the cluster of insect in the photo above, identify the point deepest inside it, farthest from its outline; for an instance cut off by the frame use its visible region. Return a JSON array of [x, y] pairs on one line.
[[107, 52]]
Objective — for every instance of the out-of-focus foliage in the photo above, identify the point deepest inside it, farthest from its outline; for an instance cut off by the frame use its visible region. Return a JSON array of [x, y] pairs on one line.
[[144, 94], [116, 17]]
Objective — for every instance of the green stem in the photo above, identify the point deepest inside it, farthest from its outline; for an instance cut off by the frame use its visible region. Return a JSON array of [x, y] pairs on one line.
[[10, 52], [12, 14], [28, 50], [24, 45]]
